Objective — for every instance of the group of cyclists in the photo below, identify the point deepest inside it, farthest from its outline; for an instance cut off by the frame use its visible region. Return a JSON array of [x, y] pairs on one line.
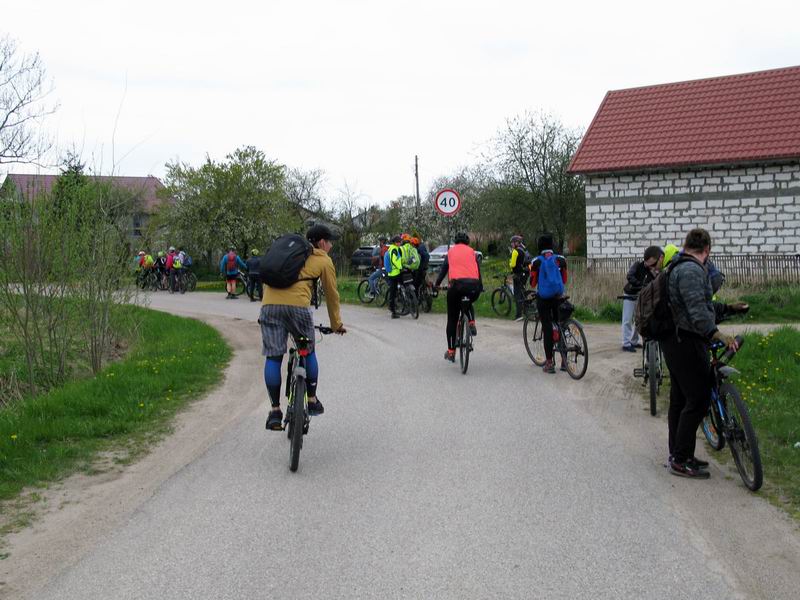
[[168, 267]]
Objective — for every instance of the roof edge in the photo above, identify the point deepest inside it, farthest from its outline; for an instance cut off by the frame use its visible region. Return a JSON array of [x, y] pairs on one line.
[[771, 160], [586, 135]]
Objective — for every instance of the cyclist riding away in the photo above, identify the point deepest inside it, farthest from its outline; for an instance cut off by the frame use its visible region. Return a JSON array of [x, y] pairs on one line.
[[463, 273], [393, 265], [549, 276], [229, 266], [287, 310], [253, 274]]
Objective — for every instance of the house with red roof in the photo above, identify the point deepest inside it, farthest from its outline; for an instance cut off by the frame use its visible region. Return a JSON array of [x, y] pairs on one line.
[[145, 188], [720, 153]]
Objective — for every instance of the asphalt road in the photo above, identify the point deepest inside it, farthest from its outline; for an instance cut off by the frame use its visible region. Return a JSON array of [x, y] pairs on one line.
[[420, 482]]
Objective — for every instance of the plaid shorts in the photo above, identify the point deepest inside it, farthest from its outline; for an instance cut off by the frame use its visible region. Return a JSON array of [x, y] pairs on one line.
[[278, 321]]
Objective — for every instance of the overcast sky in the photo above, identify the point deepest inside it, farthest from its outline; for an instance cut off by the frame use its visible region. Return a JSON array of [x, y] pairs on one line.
[[358, 87]]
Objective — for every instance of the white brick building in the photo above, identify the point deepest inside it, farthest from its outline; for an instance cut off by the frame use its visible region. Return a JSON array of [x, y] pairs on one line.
[[721, 153]]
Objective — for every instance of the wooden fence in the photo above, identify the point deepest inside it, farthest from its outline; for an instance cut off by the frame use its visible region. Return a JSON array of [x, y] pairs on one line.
[[751, 269]]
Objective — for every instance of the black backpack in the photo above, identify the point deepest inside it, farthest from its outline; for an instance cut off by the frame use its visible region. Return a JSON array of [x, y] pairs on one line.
[[653, 314], [280, 267]]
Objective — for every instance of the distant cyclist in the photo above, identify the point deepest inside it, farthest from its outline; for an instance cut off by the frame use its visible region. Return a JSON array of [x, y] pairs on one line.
[[229, 266], [463, 272], [377, 262], [519, 269], [287, 311], [548, 275], [393, 265]]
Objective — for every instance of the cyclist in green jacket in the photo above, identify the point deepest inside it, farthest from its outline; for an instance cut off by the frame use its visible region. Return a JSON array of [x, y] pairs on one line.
[[393, 265]]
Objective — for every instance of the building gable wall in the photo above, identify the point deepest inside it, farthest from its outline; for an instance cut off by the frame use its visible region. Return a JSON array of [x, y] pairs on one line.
[[747, 209]]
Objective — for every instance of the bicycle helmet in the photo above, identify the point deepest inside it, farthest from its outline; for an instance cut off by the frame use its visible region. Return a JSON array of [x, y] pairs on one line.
[[405, 237], [461, 238], [172, 248], [141, 252], [415, 241], [254, 252], [516, 238], [160, 254]]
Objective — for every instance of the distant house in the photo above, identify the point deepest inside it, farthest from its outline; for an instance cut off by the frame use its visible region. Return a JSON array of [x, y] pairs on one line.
[[720, 153], [146, 188]]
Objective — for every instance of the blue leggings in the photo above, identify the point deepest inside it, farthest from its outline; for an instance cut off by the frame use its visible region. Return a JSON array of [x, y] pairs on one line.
[[272, 377]]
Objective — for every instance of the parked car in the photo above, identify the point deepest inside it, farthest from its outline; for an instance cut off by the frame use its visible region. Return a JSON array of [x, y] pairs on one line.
[[362, 257], [438, 254]]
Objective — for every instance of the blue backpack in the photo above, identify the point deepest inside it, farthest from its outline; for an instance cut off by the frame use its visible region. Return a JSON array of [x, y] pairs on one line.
[[550, 283]]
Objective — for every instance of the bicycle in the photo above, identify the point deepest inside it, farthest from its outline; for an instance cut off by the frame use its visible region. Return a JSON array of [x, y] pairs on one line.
[[728, 420], [502, 297], [569, 340], [652, 370], [407, 303], [297, 419], [317, 294], [180, 282], [425, 295], [241, 283], [191, 281], [464, 335], [364, 293]]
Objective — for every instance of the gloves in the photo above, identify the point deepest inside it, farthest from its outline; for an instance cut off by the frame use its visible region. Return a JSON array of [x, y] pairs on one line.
[[739, 307], [728, 340]]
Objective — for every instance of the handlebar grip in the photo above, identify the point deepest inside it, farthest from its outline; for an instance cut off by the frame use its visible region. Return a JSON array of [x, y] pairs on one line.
[[323, 330], [728, 354]]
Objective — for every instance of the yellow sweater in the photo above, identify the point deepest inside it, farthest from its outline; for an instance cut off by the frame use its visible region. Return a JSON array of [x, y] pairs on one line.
[[318, 266]]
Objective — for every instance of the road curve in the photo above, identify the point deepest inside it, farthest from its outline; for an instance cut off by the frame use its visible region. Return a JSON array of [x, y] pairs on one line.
[[420, 482]]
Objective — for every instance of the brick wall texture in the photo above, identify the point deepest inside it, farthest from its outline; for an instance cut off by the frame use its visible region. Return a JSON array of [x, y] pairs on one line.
[[748, 209]]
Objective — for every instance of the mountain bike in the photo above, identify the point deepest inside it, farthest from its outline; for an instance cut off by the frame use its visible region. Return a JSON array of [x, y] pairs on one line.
[[191, 281], [297, 419], [407, 303], [569, 340], [728, 420], [363, 291], [652, 370], [464, 335], [426, 294], [502, 297]]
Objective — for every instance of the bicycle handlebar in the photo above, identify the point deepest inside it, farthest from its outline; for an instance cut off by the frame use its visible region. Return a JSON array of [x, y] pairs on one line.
[[728, 354], [323, 330]]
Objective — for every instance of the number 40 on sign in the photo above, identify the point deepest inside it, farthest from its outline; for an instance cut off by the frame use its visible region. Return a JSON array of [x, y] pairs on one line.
[[447, 202]]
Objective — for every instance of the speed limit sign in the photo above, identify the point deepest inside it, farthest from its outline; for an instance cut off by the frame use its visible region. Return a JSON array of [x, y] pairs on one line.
[[447, 202]]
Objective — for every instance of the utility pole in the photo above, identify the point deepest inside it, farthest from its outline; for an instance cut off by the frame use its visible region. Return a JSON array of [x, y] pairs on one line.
[[416, 177]]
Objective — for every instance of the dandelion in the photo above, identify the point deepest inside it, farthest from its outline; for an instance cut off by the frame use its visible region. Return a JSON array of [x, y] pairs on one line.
[[141, 405]]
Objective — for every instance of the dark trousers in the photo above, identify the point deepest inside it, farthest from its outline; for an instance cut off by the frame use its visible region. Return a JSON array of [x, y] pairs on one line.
[[548, 314], [393, 281], [253, 284], [471, 288], [690, 391], [519, 292], [419, 278]]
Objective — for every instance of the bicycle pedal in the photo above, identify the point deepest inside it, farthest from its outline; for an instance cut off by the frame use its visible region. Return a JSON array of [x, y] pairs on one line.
[[638, 372]]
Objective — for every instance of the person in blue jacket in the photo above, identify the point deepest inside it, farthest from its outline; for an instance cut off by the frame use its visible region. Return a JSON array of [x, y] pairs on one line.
[[229, 266]]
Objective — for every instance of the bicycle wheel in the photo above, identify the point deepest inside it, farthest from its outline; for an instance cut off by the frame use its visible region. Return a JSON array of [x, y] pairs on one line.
[[534, 340], [240, 286], [383, 292], [191, 282], [576, 350], [501, 302], [464, 343], [425, 298], [363, 292], [413, 303], [652, 374], [182, 283], [712, 428], [401, 301], [742, 438], [297, 422]]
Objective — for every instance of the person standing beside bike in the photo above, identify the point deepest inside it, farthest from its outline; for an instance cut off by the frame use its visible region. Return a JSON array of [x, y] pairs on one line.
[[464, 280], [253, 265], [393, 265], [424, 259], [518, 265], [377, 263], [640, 274], [686, 350], [229, 266], [549, 276], [287, 310]]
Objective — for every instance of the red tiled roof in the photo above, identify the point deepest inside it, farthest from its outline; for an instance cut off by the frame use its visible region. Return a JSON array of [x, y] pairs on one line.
[[722, 120], [34, 184]]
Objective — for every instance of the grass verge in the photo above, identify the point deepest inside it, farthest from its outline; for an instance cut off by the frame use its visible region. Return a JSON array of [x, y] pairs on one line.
[[125, 407], [770, 367]]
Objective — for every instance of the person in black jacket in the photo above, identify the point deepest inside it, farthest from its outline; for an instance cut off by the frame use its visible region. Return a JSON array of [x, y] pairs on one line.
[[640, 274], [254, 275]]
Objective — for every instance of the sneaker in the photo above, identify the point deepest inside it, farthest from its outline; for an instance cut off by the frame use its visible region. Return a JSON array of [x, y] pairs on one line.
[[518, 319], [450, 355], [698, 463], [687, 469], [275, 420], [563, 366], [472, 329], [638, 345], [234, 297], [549, 367], [395, 316], [628, 349], [315, 408]]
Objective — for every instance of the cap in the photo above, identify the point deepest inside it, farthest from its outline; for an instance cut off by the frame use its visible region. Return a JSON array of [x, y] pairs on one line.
[[321, 232]]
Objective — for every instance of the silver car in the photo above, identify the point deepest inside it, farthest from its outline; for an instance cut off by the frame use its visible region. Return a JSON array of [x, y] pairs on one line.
[[438, 254]]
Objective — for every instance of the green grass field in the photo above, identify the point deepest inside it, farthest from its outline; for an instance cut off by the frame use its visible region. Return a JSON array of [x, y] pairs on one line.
[[125, 407]]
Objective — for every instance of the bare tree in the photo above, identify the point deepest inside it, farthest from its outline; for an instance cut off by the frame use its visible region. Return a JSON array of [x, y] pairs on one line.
[[303, 188], [23, 91]]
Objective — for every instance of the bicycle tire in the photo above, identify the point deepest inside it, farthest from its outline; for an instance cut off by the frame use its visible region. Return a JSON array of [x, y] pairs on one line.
[[240, 287], [652, 375], [501, 303], [383, 292], [363, 292], [297, 423], [712, 429], [534, 340], [465, 344], [742, 439], [192, 282], [413, 303], [401, 301], [570, 330]]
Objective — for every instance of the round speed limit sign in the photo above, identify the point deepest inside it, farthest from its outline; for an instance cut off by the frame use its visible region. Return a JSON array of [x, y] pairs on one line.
[[447, 202]]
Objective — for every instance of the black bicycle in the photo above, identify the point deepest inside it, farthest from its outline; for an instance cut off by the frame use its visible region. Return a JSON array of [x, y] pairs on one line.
[[728, 420], [297, 419], [569, 340], [426, 294], [365, 295], [407, 303], [502, 297], [652, 370], [464, 335]]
